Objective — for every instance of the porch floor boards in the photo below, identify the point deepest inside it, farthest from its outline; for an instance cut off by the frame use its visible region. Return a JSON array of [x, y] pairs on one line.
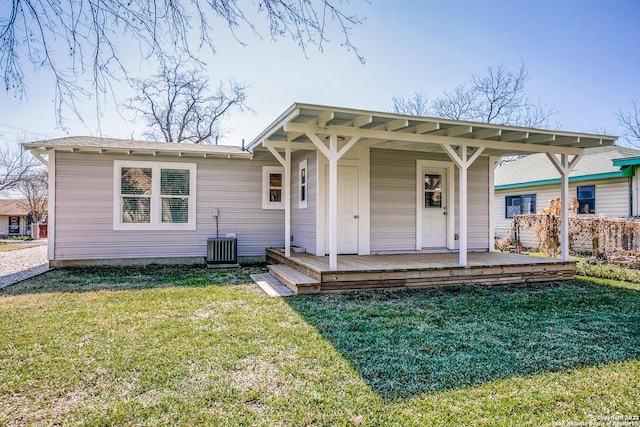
[[416, 270]]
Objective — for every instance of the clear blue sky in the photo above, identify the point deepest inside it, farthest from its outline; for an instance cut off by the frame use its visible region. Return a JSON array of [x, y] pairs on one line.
[[582, 56]]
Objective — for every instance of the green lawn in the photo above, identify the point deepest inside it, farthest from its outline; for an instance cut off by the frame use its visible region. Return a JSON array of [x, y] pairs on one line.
[[167, 346]]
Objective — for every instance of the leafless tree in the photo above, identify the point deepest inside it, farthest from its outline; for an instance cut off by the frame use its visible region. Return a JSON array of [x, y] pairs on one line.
[[417, 105], [179, 106], [630, 123], [458, 104], [79, 40], [15, 166], [35, 191], [498, 96]]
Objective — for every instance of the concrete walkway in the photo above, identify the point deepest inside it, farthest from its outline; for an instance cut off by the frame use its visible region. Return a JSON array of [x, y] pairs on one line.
[[22, 264]]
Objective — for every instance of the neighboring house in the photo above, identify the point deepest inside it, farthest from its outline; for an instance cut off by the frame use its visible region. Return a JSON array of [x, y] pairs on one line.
[[324, 180], [599, 182], [14, 218]]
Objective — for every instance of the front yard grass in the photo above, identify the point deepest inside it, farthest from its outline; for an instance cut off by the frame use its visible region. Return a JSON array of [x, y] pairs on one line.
[[167, 346]]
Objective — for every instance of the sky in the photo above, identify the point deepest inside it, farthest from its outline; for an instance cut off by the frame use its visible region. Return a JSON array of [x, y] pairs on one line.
[[582, 57]]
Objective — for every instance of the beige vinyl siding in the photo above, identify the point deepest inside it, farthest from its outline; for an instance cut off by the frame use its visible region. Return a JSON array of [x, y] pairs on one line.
[[393, 200], [303, 221], [84, 210], [612, 197]]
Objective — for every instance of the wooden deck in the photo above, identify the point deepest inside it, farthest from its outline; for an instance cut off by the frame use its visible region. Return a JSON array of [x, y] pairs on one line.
[[310, 274]]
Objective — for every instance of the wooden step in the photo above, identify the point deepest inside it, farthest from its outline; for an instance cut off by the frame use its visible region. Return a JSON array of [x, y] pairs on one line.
[[298, 282]]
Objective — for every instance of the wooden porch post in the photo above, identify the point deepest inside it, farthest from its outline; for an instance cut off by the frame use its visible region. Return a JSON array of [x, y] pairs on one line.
[[286, 164], [564, 166], [287, 203], [333, 203], [463, 207], [493, 163], [463, 163]]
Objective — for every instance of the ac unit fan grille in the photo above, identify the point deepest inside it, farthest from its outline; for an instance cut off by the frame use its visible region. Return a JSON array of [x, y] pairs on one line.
[[222, 252]]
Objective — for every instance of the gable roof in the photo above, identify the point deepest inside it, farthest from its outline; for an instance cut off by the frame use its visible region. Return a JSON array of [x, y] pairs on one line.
[[537, 169], [416, 133], [98, 145], [13, 207]]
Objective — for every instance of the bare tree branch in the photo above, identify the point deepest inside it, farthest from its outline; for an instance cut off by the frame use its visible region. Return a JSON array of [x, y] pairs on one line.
[[417, 105], [458, 105], [179, 106], [76, 38], [15, 166], [630, 123], [498, 96], [35, 192]]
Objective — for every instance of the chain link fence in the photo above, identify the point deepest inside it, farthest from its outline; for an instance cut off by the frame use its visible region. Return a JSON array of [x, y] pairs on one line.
[[593, 236]]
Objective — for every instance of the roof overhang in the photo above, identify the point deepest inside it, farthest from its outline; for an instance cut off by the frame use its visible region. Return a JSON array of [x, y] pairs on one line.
[[416, 133], [95, 145], [627, 161]]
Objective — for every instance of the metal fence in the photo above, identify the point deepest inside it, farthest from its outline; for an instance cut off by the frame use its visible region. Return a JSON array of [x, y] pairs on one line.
[[596, 236]]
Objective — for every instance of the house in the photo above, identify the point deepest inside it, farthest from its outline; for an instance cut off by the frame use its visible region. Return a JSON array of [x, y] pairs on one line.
[[14, 218], [318, 183], [604, 182]]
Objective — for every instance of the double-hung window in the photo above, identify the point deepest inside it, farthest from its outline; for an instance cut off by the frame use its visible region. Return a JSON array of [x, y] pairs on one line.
[[587, 199], [272, 187], [520, 205], [154, 196]]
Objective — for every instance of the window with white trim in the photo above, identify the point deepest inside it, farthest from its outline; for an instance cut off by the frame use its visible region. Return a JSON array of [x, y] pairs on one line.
[[272, 187], [302, 187], [520, 205], [587, 199], [154, 196]]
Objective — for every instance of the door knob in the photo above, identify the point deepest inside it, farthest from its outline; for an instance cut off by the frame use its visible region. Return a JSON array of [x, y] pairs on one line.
[[356, 216]]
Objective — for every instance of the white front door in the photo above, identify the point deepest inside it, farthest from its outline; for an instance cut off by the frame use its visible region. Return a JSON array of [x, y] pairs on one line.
[[434, 207], [347, 210]]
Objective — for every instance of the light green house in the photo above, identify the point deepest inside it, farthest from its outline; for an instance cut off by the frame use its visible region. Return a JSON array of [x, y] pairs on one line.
[[604, 182]]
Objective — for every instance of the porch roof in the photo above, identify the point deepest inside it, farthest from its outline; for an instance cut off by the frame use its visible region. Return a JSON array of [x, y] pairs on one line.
[[416, 133]]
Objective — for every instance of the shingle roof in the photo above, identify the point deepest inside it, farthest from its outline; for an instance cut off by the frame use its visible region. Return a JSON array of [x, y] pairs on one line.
[[110, 145], [537, 167], [13, 207]]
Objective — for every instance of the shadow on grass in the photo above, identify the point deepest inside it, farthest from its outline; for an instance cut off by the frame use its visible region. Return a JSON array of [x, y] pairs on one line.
[[87, 279], [405, 343]]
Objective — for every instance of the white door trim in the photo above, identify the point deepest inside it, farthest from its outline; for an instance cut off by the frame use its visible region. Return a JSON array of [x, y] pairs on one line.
[[450, 199]]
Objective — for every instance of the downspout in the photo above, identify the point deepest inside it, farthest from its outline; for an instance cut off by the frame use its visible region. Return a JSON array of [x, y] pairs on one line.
[[630, 196]]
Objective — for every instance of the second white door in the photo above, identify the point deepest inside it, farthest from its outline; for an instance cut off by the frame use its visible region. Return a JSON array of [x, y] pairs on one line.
[[347, 210], [434, 207]]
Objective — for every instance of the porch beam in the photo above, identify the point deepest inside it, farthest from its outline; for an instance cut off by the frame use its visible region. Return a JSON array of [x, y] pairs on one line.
[[427, 127], [325, 117], [397, 124], [432, 139], [286, 144], [459, 130], [487, 133], [358, 122]]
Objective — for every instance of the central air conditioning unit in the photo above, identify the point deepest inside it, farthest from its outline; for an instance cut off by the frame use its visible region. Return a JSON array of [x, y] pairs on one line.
[[222, 252]]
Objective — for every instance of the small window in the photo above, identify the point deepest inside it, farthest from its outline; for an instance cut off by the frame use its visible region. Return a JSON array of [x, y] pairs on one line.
[[154, 196], [272, 187], [520, 205], [302, 174], [587, 199]]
